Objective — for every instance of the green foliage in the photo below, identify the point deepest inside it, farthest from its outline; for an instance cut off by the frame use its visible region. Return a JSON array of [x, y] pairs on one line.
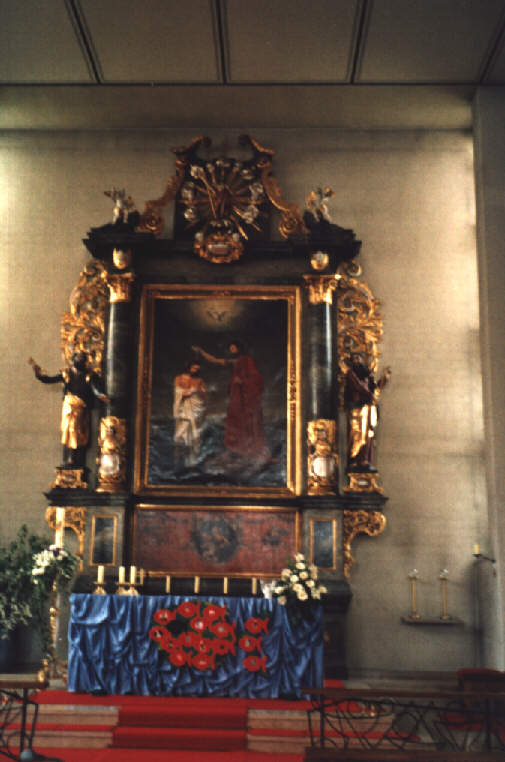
[[30, 568]]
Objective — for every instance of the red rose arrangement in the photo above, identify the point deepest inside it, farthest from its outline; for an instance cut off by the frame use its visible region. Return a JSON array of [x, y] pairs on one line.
[[194, 634], [251, 642]]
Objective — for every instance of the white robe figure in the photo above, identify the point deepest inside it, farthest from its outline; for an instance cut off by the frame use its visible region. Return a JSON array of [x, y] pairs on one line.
[[190, 397]]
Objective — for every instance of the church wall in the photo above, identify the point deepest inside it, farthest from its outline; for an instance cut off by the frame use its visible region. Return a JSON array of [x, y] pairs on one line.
[[409, 197]]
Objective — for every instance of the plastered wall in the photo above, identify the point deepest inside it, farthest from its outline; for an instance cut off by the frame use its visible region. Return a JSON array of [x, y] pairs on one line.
[[409, 196]]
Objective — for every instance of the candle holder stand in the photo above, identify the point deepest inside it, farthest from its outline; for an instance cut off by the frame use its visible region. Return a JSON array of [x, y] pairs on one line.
[[99, 589]]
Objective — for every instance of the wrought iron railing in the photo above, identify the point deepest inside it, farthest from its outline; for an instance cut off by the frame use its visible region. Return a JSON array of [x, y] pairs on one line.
[[18, 720], [401, 720]]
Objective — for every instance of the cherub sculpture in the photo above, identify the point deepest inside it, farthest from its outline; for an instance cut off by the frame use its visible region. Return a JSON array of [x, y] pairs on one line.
[[123, 205], [316, 204]]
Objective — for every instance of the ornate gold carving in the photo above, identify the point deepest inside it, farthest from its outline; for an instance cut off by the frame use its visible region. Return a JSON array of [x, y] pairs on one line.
[[359, 323], [69, 478], [112, 459], [319, 260], [151, 220], [122, 259], [321, 287], [291, 219], [371, 523], [322, 457], [75, 519], [218, 248], [120, 286], [365, 482], [83, 328]]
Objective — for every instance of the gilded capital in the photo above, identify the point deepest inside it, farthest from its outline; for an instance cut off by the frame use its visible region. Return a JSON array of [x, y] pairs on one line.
[[120, 287], [321, 287]]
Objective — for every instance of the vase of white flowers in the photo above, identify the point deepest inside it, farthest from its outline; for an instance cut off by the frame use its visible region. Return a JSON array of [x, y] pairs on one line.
[[298, 588]]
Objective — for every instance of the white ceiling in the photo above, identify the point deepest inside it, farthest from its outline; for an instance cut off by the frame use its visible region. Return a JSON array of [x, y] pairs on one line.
[[87, 63]]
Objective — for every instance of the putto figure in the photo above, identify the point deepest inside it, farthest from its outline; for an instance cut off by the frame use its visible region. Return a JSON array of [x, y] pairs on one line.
[[244, 433], [362, 396], [190, 400], [80, 387]]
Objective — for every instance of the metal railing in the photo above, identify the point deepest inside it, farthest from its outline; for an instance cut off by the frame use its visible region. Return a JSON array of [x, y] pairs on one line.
[[18, 720], [402, 720]]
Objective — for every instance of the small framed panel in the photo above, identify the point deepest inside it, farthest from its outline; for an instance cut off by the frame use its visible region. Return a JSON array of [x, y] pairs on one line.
[[103, 546], [218, 404], [243, 541], [323, 543]]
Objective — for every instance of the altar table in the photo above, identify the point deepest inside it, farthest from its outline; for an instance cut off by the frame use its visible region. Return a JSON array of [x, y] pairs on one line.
[[192, 646]]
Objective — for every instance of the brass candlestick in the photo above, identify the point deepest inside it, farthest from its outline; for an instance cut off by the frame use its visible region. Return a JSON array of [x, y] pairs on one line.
[[443, 585], [413, 575]]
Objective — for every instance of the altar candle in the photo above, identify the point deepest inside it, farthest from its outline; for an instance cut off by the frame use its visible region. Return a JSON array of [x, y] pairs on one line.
[[197, 585], [254, 586], [142, 574], [225, 585], [476, 549], [99, 575], [167, 583], [133, 575], [60, 525], [121, 579]]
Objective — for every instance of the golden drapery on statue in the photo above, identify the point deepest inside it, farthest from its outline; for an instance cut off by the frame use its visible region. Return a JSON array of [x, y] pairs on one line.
[[74, 422]]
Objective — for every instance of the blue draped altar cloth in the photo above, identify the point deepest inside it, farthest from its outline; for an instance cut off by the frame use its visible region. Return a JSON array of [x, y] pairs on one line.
[[111, 650]]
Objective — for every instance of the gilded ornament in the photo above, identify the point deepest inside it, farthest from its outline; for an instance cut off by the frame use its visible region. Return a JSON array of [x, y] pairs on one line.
[[219, 248], [317, 204], [321, 287], [122, 259], [83, 327], [319, 260], [120, 287], [75, 519], [365, 482], [69, 478], [361, 521], [322, 459], [112, 459]]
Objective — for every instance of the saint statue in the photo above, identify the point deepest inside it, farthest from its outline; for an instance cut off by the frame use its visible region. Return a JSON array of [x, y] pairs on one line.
[[80, 387], [362, 394]]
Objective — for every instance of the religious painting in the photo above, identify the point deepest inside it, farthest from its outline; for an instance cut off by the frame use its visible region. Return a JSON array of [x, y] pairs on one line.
[[214, 540], [323, 543], [103, 540], [218, 393]]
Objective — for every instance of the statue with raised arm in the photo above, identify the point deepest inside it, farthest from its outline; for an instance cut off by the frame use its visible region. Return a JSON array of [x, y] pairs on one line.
[[362, 394], [80, 388]]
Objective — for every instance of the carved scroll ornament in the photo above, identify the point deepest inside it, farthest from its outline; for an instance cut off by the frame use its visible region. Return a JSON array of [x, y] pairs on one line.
[[371, 523]]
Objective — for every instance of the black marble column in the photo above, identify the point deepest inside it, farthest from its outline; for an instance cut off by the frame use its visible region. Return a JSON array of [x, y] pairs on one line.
[[117, 358], [320, 337]]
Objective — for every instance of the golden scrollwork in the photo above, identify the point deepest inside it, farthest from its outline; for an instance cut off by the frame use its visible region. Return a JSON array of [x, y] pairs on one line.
[[359, 322], [75, 519], [291, 219], [83, 327], [320, 288], [151, 220], [322, 458], [361, 521], [365, 482], [69, 478], [218, 248], [120, 287], [112, 459]]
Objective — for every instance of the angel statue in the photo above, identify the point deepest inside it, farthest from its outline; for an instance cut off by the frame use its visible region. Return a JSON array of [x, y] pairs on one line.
[[123, 205], [316, 204], [362, 394]]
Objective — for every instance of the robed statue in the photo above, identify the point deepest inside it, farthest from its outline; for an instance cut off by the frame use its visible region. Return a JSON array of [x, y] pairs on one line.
[[80, 388]]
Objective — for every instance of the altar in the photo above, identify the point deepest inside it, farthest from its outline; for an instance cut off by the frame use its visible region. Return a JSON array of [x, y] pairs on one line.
[[192, 646]]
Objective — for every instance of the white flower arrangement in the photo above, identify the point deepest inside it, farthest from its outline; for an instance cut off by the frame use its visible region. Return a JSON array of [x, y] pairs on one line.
[[54, 563], [298, 583]]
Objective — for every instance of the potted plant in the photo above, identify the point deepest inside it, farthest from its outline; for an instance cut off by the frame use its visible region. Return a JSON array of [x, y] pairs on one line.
[[29, 567]]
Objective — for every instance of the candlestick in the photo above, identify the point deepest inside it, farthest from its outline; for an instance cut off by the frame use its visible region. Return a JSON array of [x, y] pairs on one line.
[[413, 575], [100, 574], [142, 575], [254, 586], [225, 585], [133, 575], [121, 578], [197, 585], [167, 583], [443, 584]]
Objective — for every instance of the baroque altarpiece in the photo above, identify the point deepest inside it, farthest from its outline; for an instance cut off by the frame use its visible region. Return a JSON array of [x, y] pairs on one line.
[[235, 363]]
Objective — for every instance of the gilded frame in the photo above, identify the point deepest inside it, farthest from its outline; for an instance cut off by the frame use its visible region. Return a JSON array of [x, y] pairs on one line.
[[266, 512], [157, 293], [313, 541], [109, 517]]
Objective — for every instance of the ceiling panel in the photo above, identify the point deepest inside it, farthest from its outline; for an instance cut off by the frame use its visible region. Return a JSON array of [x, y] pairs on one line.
[[153, 40], [428, 40], [290, 40], [38, 44]]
